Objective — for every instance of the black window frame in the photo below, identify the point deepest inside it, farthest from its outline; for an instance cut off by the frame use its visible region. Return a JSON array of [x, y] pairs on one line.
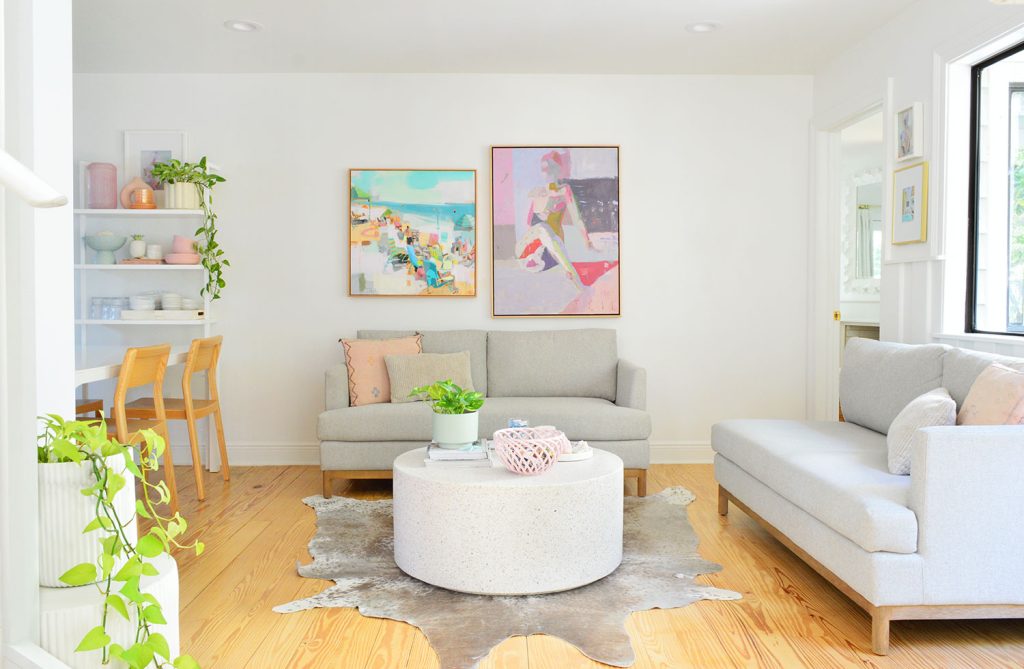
[[974, 168]]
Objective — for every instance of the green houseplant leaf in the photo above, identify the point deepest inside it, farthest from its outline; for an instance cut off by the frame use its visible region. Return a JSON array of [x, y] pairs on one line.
[[446, 397]]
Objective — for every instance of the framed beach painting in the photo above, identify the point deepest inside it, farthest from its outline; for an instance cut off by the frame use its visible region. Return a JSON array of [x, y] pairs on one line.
[[555, 235], [909, 128], [412, 232], [910, 204], [142, 148]]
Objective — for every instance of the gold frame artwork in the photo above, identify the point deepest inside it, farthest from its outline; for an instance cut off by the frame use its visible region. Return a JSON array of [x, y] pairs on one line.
[[618, 176], [895, 213], [476, 231]]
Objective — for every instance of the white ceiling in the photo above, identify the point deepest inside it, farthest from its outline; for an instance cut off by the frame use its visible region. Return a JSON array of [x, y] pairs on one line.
[[528, 36]]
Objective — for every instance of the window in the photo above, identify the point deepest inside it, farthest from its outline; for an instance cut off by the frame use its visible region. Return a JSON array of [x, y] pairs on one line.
[[995, 280]]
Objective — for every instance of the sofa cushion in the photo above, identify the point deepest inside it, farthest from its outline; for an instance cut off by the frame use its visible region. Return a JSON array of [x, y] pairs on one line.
[[878, 379], [835, 471], [996, 398], [409, 372], [552, 363], [933, 408], [579, 417], [367, 374], [447, 341], [454, 341], [960, 368]]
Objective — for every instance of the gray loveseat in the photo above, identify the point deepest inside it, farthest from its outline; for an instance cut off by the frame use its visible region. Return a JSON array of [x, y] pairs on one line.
[[945, 542], [572, 379]]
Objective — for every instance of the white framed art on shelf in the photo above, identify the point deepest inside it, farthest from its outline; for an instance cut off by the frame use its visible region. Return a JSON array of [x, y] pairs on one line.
[[142, 148]]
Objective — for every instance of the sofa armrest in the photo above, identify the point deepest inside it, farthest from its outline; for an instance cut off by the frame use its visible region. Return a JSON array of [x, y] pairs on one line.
[[966, 491], [631, 386], [336, 387]]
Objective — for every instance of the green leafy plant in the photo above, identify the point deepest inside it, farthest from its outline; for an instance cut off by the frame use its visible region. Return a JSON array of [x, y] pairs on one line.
[[447, 398], [120, 563], [138, 237], [177, 172]]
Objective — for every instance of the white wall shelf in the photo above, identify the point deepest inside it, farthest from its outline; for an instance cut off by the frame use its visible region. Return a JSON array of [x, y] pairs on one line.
[[138, 212], [107, 321], [140, 268]]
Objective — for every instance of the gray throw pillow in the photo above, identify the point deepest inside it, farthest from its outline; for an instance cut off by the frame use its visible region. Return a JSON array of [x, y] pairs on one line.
[[406, 372], [935, 407]]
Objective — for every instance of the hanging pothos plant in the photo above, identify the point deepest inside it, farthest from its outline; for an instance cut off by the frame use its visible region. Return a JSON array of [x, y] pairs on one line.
[[120, 563], [177, 172]]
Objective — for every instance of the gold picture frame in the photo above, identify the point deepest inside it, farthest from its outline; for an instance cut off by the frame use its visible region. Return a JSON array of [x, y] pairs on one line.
[[910, 204]]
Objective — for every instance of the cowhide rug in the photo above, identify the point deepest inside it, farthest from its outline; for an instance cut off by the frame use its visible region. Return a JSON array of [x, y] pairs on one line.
[[353, 547]]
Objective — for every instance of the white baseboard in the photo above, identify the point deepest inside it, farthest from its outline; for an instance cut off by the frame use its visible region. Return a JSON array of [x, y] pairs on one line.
[[681, 453], [264, 454], [259, 455]]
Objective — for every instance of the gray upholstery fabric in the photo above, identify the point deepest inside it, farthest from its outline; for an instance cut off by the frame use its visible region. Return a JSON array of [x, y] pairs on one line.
[[880, 378], [453, 341], [884, 579], [379, 455], [552, 363], [579, 417], [631, 386], [384, 334], [336, 387], [960, 368], [836, 472]]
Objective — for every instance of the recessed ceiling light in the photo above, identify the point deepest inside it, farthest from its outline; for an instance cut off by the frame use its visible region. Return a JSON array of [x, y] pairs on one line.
[[703, 27], [242, 26]]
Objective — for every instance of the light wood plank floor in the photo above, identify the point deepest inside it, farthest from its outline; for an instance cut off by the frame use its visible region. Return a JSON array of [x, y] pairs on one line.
[[256, 529]]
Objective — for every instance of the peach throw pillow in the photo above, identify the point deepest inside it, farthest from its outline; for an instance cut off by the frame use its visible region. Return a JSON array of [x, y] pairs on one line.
[[367, 373], [996, 398]]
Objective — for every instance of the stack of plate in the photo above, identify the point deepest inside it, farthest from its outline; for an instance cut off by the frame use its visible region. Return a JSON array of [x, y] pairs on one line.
[[142, 302], [170, 301], [189, 304]]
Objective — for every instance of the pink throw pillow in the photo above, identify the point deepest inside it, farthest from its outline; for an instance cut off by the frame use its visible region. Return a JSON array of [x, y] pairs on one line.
[[996, 398], [367, 373]]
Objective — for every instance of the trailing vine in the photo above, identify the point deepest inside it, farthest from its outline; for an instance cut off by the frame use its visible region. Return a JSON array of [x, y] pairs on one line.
[[212, 256], [120, 563]]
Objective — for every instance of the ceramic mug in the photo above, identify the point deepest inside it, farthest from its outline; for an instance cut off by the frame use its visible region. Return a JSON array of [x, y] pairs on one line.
[[154, 252]]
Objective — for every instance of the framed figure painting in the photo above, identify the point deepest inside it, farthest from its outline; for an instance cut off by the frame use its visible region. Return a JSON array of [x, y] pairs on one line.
[[555, 236], [412, 232]]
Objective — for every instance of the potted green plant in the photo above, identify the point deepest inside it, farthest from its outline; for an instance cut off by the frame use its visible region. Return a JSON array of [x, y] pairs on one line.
[[456, 422], [196, 178], [137, 247], [98, 470]]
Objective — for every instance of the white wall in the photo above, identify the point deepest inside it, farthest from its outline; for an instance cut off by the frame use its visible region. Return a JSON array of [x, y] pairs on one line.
[[714, 223], [902, 62]]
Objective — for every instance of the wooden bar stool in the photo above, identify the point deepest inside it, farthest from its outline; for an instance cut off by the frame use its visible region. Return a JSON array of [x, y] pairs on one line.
[[144, 367], [203, 356], [85, 407]]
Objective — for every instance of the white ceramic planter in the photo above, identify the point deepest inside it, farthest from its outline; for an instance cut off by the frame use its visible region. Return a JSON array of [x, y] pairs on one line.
[[455, 430], [137, 248], [182, 196], [64, 512]]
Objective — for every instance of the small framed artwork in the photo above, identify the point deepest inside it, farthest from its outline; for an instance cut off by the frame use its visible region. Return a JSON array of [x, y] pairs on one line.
[[909, 128], [555, 231], [412, 233], [910, 204], [142, 148]]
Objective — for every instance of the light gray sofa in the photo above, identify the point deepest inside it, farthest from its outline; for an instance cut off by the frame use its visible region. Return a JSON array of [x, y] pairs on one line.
[[945, 542], [572, 379]]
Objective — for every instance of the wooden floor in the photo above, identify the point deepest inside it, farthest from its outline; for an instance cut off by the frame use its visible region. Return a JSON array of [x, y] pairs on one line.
[[256, 528]]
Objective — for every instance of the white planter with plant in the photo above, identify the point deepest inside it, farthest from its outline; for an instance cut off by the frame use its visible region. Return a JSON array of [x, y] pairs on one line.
[[456, 421], [120, 560], [137, 247], [182, 195], [196, 179]]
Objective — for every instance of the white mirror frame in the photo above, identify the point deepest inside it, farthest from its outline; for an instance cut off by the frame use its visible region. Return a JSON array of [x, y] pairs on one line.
[[854, 289]]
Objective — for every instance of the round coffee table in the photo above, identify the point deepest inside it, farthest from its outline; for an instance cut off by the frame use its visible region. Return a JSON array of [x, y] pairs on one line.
[[487, 531]]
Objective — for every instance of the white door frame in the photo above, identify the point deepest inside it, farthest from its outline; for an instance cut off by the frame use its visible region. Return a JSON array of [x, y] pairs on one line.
[[825, 247]]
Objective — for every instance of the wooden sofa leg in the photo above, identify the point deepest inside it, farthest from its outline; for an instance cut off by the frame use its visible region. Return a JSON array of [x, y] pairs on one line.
[[723, 502], [880, 618], [328, 487], [641, 483]]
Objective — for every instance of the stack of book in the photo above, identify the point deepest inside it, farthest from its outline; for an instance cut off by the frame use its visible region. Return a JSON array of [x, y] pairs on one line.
[[474, 455]]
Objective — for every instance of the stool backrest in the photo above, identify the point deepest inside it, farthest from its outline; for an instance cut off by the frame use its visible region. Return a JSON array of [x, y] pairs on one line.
[[142, 367], [203, 356]]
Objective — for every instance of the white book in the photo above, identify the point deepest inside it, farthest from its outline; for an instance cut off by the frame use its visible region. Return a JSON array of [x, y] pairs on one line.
[[472, 452]]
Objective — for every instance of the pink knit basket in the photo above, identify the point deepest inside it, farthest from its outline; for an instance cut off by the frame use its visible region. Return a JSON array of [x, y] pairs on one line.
[[530, 450]]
